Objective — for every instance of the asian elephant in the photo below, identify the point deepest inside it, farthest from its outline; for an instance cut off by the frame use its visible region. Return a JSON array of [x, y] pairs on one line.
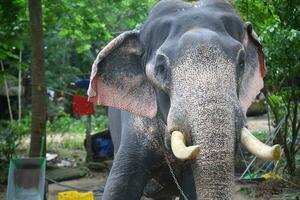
[[184, 82]]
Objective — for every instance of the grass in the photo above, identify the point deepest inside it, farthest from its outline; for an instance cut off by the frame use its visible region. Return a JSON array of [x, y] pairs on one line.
[[261, 135], [67, 124], [246, 190], [67, 140]]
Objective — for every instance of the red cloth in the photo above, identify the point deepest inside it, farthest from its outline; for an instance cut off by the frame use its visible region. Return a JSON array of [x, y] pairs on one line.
[[82, 106]]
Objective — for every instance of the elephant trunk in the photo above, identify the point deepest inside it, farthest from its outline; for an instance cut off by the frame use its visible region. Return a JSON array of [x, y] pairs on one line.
[[204, 106], [214, 168], [211, 125]]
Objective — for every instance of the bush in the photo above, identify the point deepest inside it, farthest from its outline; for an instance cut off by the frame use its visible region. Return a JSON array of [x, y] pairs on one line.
[[65, 123], [11, 135]]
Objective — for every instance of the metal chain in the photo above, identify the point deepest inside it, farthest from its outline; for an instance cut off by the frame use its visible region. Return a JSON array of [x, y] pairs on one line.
[[170, 166], [174, 177]]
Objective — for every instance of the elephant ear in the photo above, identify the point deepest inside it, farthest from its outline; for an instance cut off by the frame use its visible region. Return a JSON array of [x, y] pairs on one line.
[[118, 78], [255, 70]]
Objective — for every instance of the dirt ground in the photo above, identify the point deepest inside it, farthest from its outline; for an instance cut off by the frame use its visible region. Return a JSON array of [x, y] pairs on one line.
[[89, 183], [242, 191], [99, 180]]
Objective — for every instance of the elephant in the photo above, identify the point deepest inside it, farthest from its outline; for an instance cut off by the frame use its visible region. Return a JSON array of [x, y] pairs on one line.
[[178, 90]]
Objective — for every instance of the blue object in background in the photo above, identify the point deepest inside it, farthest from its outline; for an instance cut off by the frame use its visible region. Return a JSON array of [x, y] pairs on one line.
[[104, 146], [82, 83]]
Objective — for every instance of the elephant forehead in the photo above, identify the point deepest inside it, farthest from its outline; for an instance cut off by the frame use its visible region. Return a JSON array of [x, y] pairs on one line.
[[204, 68], [179, 8], [169, 20]]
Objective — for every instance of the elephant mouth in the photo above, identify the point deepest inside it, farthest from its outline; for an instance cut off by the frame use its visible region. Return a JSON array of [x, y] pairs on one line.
[[249, 141]]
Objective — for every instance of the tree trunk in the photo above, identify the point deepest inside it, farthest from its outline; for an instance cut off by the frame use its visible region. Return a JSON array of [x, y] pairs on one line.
[[39, 104]]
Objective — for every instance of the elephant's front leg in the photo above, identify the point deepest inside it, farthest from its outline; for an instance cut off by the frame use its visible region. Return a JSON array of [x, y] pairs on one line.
[[128, 176]]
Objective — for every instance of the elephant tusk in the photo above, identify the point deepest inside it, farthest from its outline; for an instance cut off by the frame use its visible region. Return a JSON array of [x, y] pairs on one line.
[[259, 149], [180, 150]]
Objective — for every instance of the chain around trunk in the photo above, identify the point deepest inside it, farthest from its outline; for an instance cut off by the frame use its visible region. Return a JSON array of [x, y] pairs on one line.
[[173, 175], [169, 163]]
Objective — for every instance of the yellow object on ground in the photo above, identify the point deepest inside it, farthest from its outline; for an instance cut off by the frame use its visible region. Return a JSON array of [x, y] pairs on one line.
[[74, 195], [271, 175]]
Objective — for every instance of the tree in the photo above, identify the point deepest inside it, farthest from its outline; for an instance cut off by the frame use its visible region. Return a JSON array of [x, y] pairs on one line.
[[39, 105], [83, 27]]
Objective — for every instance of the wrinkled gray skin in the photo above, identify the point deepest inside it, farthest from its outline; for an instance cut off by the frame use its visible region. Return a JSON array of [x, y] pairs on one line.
[[199, 60]]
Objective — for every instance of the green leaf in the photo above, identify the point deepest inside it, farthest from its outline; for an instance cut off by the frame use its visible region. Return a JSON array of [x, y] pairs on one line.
[[10, 54], [83, 48], [1, 78]]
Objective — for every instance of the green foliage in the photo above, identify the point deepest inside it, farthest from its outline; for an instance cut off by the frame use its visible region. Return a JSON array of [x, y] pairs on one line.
[[246, 190], [73, 142], [64, 123], [7, 144], [73, 130], [83, 27], [100, 121], [261, 135], [11, 135], [74, 31], [13, 31]]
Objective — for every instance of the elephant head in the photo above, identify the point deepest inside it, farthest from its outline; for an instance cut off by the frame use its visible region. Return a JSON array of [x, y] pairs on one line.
[[198, 67]]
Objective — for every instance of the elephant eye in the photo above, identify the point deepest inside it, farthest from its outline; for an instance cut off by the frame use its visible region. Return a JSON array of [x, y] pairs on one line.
[[158, 72], [241, 62], [161, 70]]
